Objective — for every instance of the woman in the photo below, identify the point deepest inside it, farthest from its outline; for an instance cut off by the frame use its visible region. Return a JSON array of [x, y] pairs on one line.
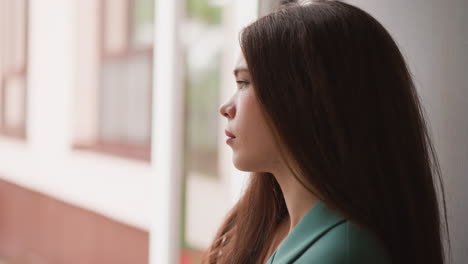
[[327, 119]]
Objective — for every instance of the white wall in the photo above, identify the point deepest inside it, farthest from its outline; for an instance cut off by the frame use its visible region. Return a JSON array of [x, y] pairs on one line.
[[433, 36]]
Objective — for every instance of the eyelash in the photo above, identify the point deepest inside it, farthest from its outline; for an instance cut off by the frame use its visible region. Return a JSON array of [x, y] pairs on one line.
[[242, 83]]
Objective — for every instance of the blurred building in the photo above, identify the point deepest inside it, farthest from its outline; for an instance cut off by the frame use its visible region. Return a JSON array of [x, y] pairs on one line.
[[76, 125]]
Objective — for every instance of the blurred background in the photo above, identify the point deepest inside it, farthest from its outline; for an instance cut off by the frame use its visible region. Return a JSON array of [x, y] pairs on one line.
[[101, 99]]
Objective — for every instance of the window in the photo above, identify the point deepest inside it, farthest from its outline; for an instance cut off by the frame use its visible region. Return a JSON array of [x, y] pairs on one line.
[[13, 67], [207, 42], [204, 35], [122, 80], [203, 63]]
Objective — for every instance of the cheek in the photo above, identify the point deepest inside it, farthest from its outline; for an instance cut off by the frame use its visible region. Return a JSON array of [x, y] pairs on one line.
[[256, 151], [251, 155]]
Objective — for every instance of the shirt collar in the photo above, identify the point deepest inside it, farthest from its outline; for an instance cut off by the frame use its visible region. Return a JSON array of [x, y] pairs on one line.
[[316, 222]]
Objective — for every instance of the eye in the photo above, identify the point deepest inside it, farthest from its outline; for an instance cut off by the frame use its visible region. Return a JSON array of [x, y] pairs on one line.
[[242, 84]]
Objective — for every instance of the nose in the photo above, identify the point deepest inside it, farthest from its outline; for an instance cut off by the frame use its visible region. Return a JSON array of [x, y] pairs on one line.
[[227, 110]]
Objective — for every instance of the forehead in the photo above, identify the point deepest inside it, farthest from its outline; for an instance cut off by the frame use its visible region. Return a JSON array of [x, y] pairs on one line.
[[241, 66], [241, 63]]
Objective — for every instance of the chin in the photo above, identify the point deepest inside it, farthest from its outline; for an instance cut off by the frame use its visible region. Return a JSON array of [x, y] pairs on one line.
[[245, 164]]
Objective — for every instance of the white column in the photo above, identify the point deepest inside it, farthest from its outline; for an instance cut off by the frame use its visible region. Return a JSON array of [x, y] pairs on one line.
[[51, 69], [167, 135]]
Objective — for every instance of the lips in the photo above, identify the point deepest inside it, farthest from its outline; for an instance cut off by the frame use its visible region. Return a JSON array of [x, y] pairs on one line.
[[229, 134]]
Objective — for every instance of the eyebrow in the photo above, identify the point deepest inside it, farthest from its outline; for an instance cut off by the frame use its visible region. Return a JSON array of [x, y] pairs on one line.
[[237, 70]]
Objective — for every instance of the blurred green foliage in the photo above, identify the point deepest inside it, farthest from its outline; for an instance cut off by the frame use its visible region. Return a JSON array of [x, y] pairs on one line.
[[143, 12], [205, 11]]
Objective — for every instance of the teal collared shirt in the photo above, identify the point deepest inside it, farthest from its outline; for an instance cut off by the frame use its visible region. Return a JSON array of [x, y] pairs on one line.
[[323, 236]]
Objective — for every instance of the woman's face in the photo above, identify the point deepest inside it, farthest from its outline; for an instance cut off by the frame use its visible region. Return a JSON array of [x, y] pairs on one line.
[[253, 146]]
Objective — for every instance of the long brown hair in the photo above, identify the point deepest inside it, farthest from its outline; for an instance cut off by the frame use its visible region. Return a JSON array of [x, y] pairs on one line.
[[340, 98]]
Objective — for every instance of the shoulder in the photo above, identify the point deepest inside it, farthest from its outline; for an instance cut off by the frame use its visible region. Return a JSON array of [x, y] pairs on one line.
[[346, 243]]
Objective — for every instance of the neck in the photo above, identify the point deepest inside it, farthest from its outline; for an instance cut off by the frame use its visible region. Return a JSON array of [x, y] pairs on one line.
[[298, 199]]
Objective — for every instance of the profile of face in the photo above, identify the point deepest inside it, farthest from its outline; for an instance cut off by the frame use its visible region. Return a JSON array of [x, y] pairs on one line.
[[252, 141]]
